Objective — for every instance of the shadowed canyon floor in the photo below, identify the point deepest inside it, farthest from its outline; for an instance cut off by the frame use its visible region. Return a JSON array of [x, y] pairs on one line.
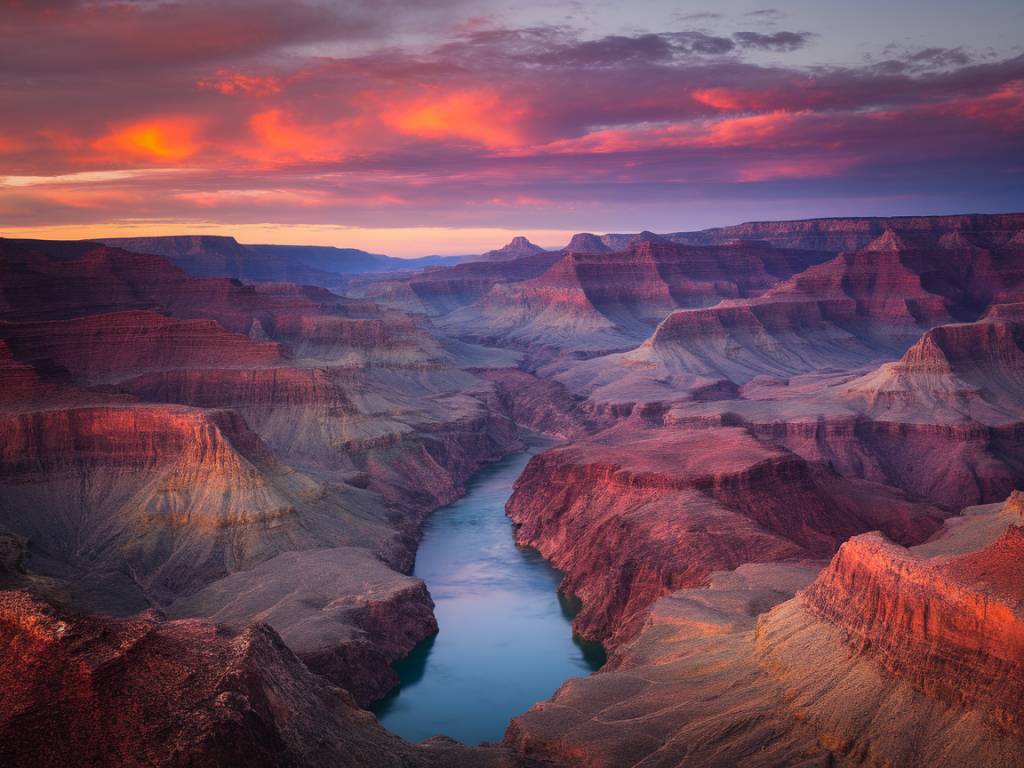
[[783, 494]]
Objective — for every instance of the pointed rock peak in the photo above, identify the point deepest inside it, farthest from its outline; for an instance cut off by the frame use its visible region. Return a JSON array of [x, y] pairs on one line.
[[929, 351], [585, 242], [888, 241], [647, 239], [1015, 503], [518, 247]]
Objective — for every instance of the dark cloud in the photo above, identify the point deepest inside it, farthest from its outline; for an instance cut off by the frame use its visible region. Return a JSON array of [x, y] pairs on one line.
[[775, 41], [766, 14], [70, 37], [700, 16], [923, 60], [699, 42]]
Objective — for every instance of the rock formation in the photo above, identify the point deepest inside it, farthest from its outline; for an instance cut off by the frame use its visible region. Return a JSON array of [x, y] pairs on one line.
[[145, 691], [889, 657], [517, 248]]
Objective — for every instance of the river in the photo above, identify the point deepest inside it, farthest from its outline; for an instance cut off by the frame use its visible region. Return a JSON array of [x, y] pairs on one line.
[[505, 639]]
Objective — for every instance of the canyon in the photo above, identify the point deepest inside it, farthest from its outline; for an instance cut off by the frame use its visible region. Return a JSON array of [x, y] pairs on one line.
[[784, 486]]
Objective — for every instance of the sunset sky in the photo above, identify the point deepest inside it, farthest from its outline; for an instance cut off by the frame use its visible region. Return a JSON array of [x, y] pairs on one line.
[[446, 127]]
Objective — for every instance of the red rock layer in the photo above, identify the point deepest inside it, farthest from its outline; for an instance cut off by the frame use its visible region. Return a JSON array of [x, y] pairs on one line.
[[976, 369], [109, 347], [954, 629], [46, 280], [600, 301], [954, 465], [633, 514], [92, 691], [170, 497], [852, 234]]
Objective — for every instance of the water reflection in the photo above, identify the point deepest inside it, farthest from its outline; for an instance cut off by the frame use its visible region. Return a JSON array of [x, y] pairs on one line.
[[505, 641]]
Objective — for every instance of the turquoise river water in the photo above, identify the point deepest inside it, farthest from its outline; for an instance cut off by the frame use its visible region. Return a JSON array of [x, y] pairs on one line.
[[505, 640]]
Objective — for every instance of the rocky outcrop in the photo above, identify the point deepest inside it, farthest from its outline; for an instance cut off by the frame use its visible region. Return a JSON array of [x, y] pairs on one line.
[[634, 513], [850, 672], [159, 501], [541, 405], [517, 248], [143, 691], [971, 370], [584, 242], [343, 611], [953, 629]]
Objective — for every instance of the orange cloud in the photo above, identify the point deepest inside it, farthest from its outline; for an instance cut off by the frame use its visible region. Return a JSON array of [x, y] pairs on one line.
[[169, 139], [479, 115], [747, 131], [280, 137], [731, 99], [8, 145], [752, 130]]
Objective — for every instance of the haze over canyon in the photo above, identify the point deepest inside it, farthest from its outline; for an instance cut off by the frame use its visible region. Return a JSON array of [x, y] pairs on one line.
[[554, 384]]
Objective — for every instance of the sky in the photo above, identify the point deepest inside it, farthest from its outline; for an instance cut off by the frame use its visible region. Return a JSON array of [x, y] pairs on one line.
[[413, 127]]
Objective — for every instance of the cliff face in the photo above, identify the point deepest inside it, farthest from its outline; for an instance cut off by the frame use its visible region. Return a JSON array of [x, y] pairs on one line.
[[106, 348], [637, 513], [954, 629], [851, 234], [149, 692], [598, 300], [888, 657], [972, 369]]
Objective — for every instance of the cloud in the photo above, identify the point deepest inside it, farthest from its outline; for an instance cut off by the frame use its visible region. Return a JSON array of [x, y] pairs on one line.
[[766, 14], [486, 125], [480, 115], [699, 16], [775, 41]]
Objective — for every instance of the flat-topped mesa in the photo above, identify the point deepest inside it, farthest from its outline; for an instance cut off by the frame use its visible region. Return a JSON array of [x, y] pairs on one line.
[[952, 627], [585, 242], [56, 281], [220, 256], [851, 234]]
